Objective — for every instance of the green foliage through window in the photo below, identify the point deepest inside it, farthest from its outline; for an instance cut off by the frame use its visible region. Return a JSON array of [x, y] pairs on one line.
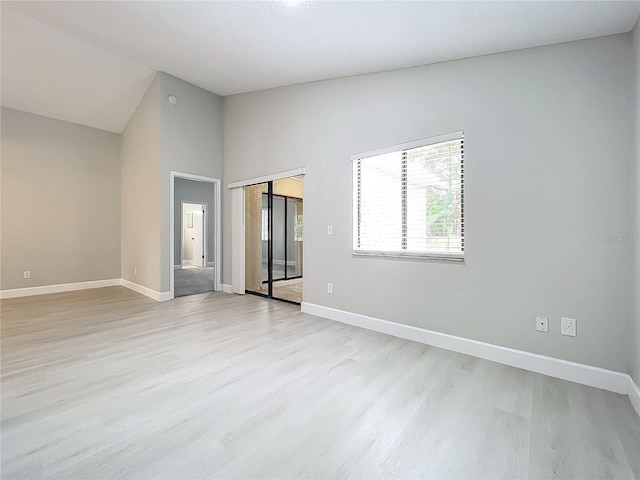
[[410, 201]]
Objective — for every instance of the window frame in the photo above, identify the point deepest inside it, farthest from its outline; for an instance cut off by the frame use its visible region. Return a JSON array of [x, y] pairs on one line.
[[416, 255]]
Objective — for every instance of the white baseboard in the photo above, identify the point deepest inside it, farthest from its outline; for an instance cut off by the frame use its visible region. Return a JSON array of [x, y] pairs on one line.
[[177, 267], [634, 394], [575, 372], [554, 367], [210, 264], [158, 296], [63, 287], [71, 287]]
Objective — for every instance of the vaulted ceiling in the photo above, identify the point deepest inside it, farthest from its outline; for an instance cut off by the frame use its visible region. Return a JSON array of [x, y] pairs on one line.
[[91, 62]]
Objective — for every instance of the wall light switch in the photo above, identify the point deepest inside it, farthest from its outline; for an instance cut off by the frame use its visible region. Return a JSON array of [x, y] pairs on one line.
[[329, 287], [329, 230]]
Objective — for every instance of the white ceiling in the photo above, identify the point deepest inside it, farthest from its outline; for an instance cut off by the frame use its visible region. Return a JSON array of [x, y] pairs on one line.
[[90, 62], [47, 72]]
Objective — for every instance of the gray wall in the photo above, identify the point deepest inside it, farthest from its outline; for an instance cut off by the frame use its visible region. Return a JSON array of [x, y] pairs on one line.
[[548, 167], [191, 143], [60, 202], [160, 137], [140, 156], [635, 357], [193, 192]]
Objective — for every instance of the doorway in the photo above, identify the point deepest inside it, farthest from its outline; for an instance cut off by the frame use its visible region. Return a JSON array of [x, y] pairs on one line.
[[273, 239], [195, 234]]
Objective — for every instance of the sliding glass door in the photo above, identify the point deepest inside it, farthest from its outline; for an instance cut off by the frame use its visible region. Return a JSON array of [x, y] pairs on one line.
[[273, 243]]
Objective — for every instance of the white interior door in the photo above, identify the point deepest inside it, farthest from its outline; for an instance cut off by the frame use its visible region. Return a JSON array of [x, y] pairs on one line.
[[197, 234], [193, 234]]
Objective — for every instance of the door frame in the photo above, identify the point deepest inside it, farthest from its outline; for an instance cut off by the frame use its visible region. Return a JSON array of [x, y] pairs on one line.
[[217, 232], [238, 224], [205, 225]]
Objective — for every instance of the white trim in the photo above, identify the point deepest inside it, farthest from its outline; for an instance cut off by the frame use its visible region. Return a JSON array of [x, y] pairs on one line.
[[158, 296], [267, 178], [59, 288], [445, 257], [72, 287], [177, 267], [634, 395], [191, 176], [211, 264], [446, 137], [205, 231], [237, 240], [217, 234], [575, 372]]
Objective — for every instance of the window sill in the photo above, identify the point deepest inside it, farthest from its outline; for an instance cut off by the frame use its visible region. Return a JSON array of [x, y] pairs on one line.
[[455, 258]]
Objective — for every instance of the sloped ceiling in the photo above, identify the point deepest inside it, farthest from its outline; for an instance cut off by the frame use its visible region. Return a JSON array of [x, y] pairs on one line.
[[90, 62], [50, 73]]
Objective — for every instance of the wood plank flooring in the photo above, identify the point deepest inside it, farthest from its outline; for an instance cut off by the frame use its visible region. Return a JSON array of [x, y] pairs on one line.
[[109, 384], [283, 289], [289, 290]]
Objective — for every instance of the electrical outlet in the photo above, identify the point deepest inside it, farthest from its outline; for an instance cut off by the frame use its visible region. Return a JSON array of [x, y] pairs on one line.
[[27, 274], [542, 324], [568, 326], [329, 287], [329, 230]]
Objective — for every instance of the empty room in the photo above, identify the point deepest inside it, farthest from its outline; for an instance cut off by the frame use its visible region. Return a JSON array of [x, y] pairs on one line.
[[320, 239]]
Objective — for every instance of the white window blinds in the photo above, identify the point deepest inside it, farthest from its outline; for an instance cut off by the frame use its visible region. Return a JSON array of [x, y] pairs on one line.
[[408, 200]]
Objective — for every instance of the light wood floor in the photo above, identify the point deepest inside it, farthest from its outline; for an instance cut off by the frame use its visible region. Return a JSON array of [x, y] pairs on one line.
[[109, 384], [289, 290], [284, 289]]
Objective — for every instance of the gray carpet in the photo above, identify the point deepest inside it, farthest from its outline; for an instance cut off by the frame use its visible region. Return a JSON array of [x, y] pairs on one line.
[[189, 281]]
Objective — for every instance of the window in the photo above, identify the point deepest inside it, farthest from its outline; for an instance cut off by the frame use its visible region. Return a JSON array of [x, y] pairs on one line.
[[408, 200]]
